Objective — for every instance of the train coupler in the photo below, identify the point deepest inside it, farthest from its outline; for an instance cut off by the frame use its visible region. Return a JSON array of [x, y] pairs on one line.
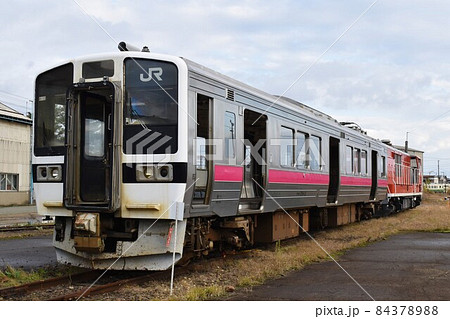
[[87, 233]]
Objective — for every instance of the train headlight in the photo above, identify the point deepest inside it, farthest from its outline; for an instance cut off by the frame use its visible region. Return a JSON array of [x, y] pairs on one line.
[[154, 173], [55, 173], [165, 173], [51, 173], [145, 173], [42, 173], [148, 172]]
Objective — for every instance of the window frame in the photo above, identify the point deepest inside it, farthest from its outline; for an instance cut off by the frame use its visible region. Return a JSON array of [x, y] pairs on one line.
[[298, 150], [284, 155], [348, 159], [398, 165], [98, 69], [10, 179], [364, 168], [318, 160], [383, 166], [131, 129], [356, 161], [230, 141], [51, 106]]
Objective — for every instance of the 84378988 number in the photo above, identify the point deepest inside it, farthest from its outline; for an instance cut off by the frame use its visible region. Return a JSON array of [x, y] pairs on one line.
[[407, 310]]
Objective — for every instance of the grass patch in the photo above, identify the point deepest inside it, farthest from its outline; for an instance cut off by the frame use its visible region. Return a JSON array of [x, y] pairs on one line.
[[205, 293], [14, 277], [11, 276]]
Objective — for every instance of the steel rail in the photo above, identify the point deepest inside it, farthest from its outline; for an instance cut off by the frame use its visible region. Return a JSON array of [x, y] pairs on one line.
[[27, 227], [113, 286], [45, 284]]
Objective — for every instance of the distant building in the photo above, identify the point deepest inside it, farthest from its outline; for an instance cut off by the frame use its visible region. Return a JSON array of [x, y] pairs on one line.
[[438, 184], [15, 153]]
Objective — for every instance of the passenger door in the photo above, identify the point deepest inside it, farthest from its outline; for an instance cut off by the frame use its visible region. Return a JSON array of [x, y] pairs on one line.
[[90, 173], [227, 170]]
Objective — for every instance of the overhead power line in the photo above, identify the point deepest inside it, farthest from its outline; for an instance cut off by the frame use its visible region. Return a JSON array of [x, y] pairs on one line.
[[429, 121], [16, 96]]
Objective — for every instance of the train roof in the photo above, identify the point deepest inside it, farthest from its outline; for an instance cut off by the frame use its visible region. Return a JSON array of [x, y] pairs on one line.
[[280, 101]]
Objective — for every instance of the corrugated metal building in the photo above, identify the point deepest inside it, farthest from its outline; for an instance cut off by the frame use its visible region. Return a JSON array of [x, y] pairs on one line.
[[15, 152]]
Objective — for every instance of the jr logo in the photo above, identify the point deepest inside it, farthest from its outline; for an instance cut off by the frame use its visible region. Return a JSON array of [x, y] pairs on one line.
[[156, 72]]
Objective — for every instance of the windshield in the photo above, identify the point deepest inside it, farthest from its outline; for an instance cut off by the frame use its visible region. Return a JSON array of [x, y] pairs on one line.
[[150, 107], [50, 129]]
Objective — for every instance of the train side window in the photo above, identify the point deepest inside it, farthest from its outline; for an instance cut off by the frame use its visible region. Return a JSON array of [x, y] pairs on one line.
[[230, 135], [300, 150], [349, 160], [383, 166], [315, 152], [364, 162], [356, 161], [398, 165], [287, 147]]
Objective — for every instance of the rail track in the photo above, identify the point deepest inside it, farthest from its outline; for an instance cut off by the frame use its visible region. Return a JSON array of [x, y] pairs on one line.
[[62, 288], [22, 290], [25, 227], [111, 286]]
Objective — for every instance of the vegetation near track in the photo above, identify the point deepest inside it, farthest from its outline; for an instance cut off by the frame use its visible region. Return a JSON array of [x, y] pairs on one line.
[[25, 234], [10, 276], [215, 278]]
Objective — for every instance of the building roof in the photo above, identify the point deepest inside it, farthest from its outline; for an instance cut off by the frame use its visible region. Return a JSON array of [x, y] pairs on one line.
[[9, 114], [410, 149]]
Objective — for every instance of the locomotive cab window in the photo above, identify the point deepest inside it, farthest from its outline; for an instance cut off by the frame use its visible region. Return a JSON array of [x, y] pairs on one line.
[[398, 165], [150, 107], [98, 69], [50, 117]]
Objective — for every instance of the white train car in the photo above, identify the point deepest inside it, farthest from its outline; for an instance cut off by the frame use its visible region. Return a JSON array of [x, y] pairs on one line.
[[129, 144]]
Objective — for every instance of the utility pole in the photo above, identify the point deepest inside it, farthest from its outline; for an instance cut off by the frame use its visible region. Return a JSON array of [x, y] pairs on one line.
[[439, 177], [445, 182], [31, 186], [406, 143]]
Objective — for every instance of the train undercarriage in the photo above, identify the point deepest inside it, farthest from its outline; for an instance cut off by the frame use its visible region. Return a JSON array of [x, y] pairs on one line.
[[95, 240]]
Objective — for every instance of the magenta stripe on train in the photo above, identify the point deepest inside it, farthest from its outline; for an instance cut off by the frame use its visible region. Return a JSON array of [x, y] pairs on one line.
[[288, 177], [224, 173]]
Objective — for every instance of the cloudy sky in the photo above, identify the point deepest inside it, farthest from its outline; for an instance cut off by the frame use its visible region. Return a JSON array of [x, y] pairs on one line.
[[385, 66]]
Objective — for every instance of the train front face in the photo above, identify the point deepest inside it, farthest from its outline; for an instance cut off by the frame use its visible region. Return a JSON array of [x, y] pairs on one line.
[[110, 159]]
